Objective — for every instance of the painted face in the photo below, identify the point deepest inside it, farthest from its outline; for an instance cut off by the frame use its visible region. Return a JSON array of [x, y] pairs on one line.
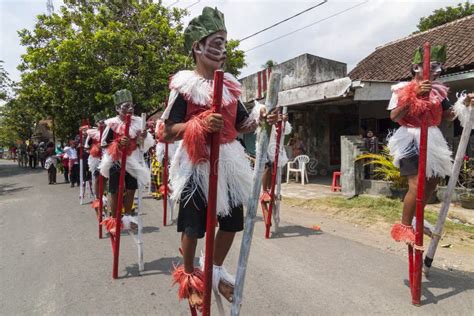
[[213, 52], [125, 108], [435, 70]]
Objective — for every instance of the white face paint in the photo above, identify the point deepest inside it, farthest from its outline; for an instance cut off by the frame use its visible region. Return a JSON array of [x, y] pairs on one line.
[[125, 108], [435, 70]]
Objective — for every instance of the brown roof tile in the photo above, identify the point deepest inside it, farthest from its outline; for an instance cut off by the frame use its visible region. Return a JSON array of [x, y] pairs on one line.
[[392, 61]]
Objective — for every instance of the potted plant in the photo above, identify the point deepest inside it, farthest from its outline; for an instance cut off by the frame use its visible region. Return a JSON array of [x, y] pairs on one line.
[[387, 171]]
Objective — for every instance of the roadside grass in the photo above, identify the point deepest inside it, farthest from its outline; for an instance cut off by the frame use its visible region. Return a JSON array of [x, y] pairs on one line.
[[372, 210]]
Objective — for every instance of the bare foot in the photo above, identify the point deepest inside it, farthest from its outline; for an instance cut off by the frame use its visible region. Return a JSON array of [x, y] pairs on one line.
[[226, 290]]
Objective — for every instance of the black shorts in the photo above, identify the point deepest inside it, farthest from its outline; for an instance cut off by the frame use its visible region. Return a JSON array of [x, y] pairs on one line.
[[114, 177], [192, 216], [409, 166], [96, 173]]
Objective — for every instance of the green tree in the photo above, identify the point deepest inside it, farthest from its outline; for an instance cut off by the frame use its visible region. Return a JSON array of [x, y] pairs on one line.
[[77, 58], [445, 15], [5, 83], [235, 58], [269, 64]]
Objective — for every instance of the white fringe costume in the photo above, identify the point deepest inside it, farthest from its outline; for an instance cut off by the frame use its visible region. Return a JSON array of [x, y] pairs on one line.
[[93, 162], [133, 165], [235, 173], [405, 142]]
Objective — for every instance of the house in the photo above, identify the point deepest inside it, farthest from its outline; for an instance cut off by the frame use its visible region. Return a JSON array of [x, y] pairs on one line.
[[330, 108]]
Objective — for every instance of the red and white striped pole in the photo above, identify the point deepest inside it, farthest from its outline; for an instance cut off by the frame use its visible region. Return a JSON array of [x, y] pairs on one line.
[[118, 211], [415, 278], [212, 196]]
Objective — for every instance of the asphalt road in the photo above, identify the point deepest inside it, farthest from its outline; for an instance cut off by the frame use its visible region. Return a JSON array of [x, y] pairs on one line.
[[51, 262]]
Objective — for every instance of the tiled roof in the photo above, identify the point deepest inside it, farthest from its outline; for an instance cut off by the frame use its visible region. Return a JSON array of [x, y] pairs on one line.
[[392, 62]]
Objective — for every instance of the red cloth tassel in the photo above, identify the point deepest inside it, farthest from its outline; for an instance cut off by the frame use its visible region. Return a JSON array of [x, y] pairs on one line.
[[265, 197], [195, 138], [96, 203], [188, 282], [95, 151], [407, 96], [115, 150], [404, 233], [110, 224]]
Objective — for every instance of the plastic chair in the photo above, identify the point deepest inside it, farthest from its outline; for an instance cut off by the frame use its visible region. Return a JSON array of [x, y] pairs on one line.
[[336, 181], [301, 162]]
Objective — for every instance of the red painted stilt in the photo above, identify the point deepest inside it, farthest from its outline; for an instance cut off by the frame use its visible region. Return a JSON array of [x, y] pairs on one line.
[[418, 260], [118, 211], [212, 196], [268, 222], [101, 186], [165, 184]]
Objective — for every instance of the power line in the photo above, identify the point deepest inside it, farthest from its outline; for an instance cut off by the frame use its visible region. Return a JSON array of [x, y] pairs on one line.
[[282, 21], [192, 5], [172, 4], [309, 25]]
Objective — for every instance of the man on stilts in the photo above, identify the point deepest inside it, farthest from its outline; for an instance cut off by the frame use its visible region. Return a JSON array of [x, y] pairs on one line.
[[188, 117], [419, 148], [92, 144], [136, 172]]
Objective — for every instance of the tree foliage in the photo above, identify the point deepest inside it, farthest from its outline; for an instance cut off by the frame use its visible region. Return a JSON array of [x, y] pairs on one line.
[[269, 64], [78, 57], [445, 15]]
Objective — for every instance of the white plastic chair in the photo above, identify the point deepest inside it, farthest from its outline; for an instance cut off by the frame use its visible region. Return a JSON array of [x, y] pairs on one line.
[[301, 161]]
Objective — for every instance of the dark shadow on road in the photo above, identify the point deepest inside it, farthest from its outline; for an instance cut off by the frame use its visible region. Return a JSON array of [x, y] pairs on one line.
[[12, 169], [453, 282], [294, 231], [150, 229], [159, 266], [10, 188]]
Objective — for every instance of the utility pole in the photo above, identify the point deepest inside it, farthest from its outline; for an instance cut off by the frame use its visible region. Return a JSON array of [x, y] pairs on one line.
[[49, 6]]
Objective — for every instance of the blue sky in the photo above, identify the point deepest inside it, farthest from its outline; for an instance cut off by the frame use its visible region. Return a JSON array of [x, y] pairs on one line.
[[348, 37]]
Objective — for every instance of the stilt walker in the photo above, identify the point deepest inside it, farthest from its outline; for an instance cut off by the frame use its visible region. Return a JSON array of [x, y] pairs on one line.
[[189, 117], [280, 159], [93, 144], [123, 165], [464, 110], [263, 136], [164, 153], [277, 198], [419, 149]]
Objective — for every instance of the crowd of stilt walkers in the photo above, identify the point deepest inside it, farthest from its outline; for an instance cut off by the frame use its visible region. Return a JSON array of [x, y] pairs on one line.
[[206, 173]]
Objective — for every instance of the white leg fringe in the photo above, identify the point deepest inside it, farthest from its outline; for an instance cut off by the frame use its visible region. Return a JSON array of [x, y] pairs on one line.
[[234, 179], [405, 142], [134, 168]]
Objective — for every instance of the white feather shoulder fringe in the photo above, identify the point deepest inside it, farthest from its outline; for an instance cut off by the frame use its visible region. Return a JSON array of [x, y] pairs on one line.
[[463, 113], [405, 142], [234, 177], [93, 163]]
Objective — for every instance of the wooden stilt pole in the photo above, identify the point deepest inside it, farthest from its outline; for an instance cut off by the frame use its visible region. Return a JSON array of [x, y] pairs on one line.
[[277, 198], [263, 137], [417, 265], [436, 234], [212, 195], [118, 211], [81, 167]]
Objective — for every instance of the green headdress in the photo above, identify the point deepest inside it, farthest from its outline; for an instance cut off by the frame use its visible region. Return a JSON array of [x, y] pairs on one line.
[[209, 22], [122, 96], [438, 53]]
